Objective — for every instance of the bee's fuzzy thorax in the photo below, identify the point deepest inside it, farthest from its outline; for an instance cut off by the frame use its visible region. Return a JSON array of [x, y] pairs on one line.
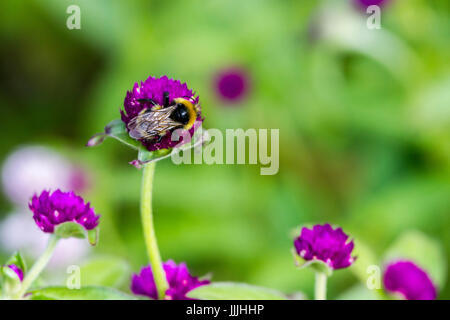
[[192, 112], [154, 88]]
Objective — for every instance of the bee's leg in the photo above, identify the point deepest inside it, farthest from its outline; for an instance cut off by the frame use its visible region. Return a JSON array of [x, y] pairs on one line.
[[160, 136], [157, 107], [148, 100], [166, 101], [145, 110], [152, 108]]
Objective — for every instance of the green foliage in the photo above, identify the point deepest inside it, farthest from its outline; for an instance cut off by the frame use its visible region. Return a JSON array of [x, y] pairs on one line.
[[84, 293], [116, 129], [93, 235], [365, 258], [104, 271], [10, 282], [359, 292], [75, 230], [316, 265], [70, 230], [234, 291]]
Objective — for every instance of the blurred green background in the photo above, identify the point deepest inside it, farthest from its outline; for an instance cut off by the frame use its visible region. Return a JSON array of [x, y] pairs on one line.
[[364, 119]]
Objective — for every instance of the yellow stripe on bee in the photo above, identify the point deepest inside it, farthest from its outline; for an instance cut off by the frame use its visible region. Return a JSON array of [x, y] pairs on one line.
[[192, 112]]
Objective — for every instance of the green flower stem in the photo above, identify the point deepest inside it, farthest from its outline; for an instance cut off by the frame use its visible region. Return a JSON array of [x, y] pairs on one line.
[[38, 266], [320, 290], [149, 230]]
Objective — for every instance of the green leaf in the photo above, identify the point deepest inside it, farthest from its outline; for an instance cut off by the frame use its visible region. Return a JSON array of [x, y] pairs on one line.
[[84, 293], [70, 230], [234, 291], [360, 292], [116, 129], [422, 250], [104, 271], [316, 265], [75, 230], [96, 140], [145, 156], [92, 236]]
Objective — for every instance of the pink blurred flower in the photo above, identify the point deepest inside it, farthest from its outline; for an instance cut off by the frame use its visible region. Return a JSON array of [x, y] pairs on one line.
[[31, 169], [409, 280], [232, 84], [367, 3]]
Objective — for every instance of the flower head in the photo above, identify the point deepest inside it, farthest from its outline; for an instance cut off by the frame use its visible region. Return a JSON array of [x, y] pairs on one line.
[[154, 89], [50, 209], [409, 280], [367, 3], [178, 277], [324, 243], [232, 84], [17, 270]]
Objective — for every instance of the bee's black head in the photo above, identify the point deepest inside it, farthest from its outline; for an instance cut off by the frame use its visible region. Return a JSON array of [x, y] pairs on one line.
[[180, 114]]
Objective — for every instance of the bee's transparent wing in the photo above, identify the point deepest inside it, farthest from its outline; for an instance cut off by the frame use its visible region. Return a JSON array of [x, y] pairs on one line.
[[153, 123]]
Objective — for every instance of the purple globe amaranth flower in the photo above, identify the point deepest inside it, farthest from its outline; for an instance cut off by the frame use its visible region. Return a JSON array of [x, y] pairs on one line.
[[324, 243], [50, 209], [232, 84], [154, 89], [412, 282], [17, 270], [178, 277], [367, 3]]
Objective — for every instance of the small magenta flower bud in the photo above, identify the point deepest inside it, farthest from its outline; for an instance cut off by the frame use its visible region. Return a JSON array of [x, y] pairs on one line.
[[367, 3], [408, 280], [178, 277], [326, 244], [232, 85], [17, 270], [51, 209]]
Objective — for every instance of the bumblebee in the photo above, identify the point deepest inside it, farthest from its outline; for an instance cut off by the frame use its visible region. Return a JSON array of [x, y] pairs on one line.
[[153, 123]]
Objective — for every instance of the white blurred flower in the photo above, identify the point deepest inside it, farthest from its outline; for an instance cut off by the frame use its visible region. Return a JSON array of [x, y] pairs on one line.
[[31, 169], [19, 232]]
